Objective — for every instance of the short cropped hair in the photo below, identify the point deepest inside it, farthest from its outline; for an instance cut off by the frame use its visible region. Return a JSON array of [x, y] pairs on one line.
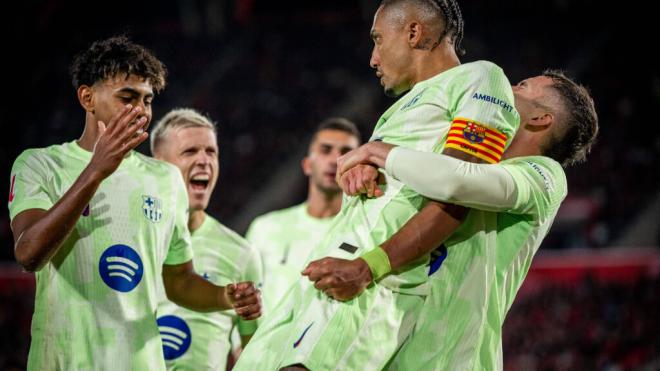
[[117, 55], [578, 121], [179, 118], [337, 123]]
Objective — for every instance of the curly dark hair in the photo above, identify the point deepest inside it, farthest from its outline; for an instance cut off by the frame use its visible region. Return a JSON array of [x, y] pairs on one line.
[[578, 119], [113, 56]]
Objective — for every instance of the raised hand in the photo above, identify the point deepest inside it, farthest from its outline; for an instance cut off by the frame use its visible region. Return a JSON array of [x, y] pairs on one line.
[[372, 153], [124, 132], [245, 299]]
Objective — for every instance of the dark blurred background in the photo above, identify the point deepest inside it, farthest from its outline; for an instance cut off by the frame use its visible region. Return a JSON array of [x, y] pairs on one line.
[[268, 72]]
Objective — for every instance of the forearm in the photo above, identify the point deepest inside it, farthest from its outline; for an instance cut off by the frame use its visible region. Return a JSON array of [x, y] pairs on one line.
[[423, 233], [38, 242], [191, 291], [479, 186]]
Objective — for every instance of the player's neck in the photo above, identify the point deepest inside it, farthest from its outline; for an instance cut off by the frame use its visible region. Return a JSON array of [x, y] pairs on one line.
[[89, 135], [441, 59], [525, 143], [196, 219], [323, 204]]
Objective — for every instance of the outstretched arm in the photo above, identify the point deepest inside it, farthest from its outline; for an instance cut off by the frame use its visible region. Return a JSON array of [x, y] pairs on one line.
[[186, 288]]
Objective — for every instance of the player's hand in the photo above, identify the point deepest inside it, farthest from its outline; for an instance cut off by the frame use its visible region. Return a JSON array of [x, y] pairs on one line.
[[340, 279], [124, 132], [361, 179], [372, 153], [245, 299]]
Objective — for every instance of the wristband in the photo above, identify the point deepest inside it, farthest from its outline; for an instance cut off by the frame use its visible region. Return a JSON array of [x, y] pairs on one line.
[[378, 262]]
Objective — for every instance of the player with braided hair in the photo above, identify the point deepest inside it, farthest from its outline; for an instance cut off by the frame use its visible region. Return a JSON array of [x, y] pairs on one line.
[[415, 56]]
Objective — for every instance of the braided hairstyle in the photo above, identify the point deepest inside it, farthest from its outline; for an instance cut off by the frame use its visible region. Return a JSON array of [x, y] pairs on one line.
[[453, 23], [447, 11]]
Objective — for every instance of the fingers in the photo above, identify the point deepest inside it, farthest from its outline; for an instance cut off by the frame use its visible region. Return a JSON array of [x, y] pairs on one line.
[[134, 135], [249, 312], [117, 118], [248, 300], [310, 268], [102, 127], [243, 290], [343, 184], [325, 283], [132, 129], [317, 272]]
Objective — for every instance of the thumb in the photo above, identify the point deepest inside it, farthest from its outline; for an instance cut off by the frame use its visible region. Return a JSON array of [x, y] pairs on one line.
[[102, 128], [307, 270], [231, 288]]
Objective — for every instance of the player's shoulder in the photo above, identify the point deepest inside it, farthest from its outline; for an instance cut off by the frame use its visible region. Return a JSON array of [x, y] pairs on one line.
[[154, 166], [38, 155], [227, 234], [479, 72], [549, 172], [482, 67]]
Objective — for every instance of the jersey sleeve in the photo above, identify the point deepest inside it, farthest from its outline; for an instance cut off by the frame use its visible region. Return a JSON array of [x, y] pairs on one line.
[[484, 119], [253, 272], [541, 185], [530, 185], [28, 184], [180, 250]]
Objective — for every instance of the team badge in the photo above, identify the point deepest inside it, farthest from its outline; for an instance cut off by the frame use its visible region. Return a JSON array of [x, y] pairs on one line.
[[176, 336], [121, 268], [152, 208], [474, 133]]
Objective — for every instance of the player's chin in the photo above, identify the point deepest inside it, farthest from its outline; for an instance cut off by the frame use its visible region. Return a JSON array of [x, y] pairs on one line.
[[199, 203]]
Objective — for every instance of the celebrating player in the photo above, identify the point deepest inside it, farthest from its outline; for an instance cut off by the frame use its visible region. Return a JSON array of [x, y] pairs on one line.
[[101, 225], [191, 339]]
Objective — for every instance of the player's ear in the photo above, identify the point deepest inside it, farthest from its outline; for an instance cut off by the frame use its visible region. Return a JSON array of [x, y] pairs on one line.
[[414, 30], [86, 97], [545, 119], [306, 164]]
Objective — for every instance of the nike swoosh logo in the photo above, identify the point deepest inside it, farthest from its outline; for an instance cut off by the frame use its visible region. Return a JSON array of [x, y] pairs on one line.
[[11, 190], [295, 345]]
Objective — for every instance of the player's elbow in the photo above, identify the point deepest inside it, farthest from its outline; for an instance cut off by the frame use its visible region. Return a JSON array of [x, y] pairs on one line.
[[27, 261], [444, 191]]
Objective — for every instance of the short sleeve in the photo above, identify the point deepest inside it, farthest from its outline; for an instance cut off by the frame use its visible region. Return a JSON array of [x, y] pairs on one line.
[[541, 185], [484, 119], [28, 184], [180, 249]]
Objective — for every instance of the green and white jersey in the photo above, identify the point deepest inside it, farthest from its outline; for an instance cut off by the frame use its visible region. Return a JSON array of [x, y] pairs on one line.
[[201, 341], [285, 239], [96, 298], [485, 263], [475, 98]]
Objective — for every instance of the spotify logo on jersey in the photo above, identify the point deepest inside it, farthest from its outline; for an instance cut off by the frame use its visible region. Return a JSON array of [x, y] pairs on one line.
[[121, 268], [176, 336]]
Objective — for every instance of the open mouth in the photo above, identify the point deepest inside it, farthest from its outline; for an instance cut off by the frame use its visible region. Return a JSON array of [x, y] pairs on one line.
[[199, 182]]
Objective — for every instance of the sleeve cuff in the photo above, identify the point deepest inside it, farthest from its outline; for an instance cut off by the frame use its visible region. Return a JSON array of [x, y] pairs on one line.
[[391, 160]]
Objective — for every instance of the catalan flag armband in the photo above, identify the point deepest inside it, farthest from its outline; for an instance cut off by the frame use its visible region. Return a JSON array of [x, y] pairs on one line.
[[477, 139]]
